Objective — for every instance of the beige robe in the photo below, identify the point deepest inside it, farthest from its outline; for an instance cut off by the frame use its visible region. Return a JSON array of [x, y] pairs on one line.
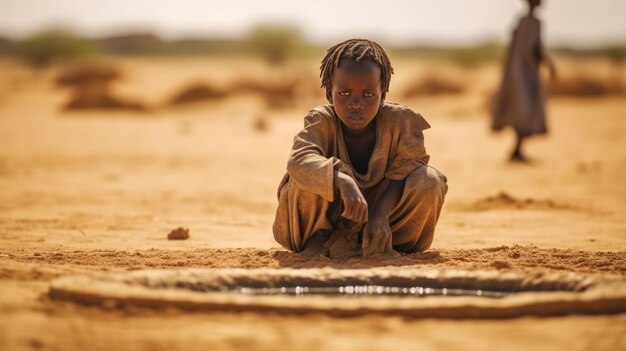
[[520, 101], [307, 199]]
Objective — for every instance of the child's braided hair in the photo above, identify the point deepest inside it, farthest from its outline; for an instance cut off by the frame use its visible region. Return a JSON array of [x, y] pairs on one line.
[[357, 50]]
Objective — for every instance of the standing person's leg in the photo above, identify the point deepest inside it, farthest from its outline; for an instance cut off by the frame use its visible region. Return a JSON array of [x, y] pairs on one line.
[[517, 154], [414, 218]]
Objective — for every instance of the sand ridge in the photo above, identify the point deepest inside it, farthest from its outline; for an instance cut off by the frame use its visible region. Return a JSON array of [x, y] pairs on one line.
[[504, 200], [501, 257]]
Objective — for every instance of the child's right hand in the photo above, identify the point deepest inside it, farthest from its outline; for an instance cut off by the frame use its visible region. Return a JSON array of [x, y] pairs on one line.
[[354, 203]]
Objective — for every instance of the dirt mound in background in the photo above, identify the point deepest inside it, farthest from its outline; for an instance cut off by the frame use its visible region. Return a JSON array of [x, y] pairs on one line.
[[196, 92], [91, 88], [95, 98], [585, 86], [431, 86], [87, 73], [277, 94], [504, 200]]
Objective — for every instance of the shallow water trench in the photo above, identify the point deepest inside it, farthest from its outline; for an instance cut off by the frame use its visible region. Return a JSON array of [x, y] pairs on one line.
[[387, 291], [371, 290]]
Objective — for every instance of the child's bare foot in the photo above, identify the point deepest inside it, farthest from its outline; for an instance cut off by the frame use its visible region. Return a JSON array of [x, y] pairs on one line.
[[315, 245]]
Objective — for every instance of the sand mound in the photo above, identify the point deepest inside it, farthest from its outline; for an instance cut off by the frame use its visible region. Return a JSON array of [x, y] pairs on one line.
[[585, 86], [280, 93], [504, 200], [90, 84], [196, 92], [431, 86], [87, 73], [276, 94], [95, 98]]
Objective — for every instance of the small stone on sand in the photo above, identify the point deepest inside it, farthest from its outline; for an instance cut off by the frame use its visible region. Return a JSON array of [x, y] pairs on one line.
[[178, 234]]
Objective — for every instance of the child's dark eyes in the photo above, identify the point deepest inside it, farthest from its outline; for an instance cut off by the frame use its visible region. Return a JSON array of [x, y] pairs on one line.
[[347, 93]]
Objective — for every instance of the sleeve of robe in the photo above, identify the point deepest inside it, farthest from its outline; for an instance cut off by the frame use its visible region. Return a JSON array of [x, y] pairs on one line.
[[308, 166], [409, 152]]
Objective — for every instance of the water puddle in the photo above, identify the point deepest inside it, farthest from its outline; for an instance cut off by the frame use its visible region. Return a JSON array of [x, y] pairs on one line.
[[415, 293], [371, 290]]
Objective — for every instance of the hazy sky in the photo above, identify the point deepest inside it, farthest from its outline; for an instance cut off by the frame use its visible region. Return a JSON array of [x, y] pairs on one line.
[[574, 22]]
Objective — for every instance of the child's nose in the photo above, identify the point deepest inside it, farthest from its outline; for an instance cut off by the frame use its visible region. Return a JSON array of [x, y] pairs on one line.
[[356, 103]]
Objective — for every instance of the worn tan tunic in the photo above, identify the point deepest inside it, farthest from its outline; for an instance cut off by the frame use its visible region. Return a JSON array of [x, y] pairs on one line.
[[308, 202], [520, 101]]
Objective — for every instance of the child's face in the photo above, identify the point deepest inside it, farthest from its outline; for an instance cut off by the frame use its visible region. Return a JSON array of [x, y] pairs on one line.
[[356, 92]]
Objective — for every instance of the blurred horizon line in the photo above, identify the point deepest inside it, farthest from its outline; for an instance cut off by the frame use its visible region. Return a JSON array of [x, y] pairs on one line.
[[275, 43], [138, 32]]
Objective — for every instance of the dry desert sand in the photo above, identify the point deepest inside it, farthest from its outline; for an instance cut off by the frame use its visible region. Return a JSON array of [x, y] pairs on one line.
[[98, 191]]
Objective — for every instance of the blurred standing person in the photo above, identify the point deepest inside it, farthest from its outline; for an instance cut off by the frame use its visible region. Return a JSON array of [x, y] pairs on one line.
[[520, 101]]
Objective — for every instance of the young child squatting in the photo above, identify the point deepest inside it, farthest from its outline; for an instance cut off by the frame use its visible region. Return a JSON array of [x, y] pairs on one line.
[[358, 180]]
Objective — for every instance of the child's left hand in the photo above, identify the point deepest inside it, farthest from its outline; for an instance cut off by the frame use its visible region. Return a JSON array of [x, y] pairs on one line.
[[377, 236]]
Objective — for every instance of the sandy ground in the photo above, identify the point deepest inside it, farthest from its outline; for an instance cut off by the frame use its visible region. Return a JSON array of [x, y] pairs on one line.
[[99, 191]]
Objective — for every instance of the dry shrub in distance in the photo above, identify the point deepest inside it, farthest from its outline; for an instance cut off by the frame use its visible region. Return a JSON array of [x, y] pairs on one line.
[[52, 46], [576, 87], [86, 73], [91, 84], [431, 86], [281, 95], [277, 94], [196, 92], [585, 86], [275, 43], [86, 102]]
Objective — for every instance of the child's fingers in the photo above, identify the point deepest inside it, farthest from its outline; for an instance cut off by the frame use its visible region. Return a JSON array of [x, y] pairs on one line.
[[366, 239], [348, 210], [359, 207], [355, 211], [345, 213], [374, 244], [389, 244], [375, 247], [362, 215], [352, 215], [383, 244]]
